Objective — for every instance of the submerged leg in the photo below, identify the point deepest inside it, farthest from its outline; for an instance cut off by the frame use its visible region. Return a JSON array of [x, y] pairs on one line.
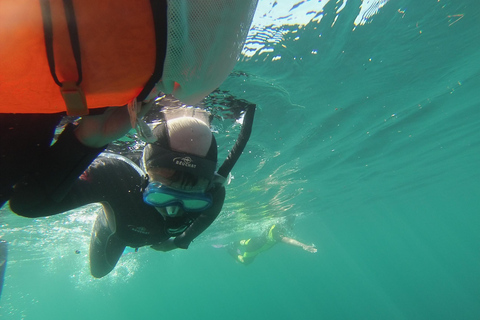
[[105, 247]]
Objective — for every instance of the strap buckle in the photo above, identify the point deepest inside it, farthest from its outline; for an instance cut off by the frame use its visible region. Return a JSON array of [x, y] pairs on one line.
[[74, 99]]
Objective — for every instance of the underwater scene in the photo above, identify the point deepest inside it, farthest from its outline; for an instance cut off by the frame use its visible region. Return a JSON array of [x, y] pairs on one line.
[[365, 142]]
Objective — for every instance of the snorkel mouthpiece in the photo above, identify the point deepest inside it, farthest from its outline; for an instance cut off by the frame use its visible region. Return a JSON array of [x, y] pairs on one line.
[[172, 211]]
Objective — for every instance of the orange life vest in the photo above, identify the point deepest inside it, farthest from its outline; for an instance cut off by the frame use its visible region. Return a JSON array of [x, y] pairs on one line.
[[117, 46]]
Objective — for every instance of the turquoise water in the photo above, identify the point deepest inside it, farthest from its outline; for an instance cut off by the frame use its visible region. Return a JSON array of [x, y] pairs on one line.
[[368, 133]]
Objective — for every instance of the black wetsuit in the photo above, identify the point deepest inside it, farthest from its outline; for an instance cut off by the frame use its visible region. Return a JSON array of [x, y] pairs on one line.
[[23, 140], [138, 224]]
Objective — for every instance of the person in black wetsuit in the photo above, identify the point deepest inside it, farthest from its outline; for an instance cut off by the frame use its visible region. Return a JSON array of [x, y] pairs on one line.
[[245, 251], [176, 196]]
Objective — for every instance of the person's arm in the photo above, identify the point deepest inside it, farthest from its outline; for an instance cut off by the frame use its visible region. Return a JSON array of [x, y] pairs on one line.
[[106, 180], [29, 200], [296, 243], [99, 130]]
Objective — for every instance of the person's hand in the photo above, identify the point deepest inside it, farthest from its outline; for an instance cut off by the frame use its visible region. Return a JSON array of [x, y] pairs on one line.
[[164, 246], [311, 248]]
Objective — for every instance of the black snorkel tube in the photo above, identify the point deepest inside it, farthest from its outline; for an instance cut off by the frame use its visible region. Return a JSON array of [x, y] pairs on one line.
[[240, 144]]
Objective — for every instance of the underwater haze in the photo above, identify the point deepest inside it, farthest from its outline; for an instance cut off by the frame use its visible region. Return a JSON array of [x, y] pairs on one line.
[[367, 130]]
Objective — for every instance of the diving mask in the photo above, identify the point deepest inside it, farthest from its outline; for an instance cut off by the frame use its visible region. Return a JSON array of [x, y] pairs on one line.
[[159, 195]]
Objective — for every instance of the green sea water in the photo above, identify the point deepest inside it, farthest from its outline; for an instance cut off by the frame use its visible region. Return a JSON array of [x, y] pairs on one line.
[[367, 130]]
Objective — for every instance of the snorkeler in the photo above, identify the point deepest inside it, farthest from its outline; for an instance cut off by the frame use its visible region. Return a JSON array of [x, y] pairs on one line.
[[245, 251], [166, 204]]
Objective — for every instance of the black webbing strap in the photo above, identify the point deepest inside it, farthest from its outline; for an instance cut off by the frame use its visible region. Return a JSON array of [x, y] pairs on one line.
[[74, 41], [48, 33], [241, 142], [71, 92], [159, 11]]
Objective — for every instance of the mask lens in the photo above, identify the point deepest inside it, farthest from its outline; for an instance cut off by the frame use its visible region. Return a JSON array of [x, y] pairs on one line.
[[158, 199], [196, 204], [159, 195]]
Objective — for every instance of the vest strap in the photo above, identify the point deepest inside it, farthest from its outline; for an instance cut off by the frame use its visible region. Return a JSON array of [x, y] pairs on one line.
[[74, 99], [159, 12], [72, 94]]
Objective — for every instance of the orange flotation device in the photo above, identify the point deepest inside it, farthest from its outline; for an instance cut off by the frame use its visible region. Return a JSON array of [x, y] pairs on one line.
[[112, 44]]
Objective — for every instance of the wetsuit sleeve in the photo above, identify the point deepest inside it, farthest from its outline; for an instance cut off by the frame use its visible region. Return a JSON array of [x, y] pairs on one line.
[[53, 176], [203, 221], [96, 184]]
